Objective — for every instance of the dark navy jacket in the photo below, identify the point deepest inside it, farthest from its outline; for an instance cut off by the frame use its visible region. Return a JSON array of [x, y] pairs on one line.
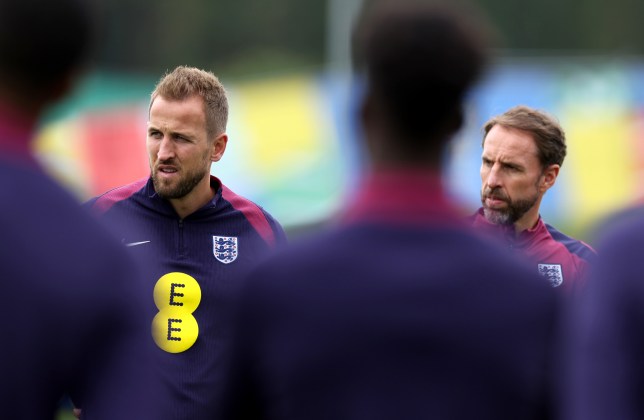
[[401, 312], [604, 338], [193, 267], [70, 308]]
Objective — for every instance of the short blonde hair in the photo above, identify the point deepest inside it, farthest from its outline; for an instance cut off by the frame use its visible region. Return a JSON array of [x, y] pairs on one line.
[[184, 82]]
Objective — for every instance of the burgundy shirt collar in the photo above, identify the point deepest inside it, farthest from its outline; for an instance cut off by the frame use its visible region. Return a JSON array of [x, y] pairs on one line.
[[402, 196], [525, 238], [16, 133]]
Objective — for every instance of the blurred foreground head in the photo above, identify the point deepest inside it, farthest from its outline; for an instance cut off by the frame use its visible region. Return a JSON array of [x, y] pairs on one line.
[[42, 45], [419, 59]]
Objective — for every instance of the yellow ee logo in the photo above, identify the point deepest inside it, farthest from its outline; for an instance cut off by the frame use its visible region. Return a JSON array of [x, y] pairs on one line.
[[177, 295]]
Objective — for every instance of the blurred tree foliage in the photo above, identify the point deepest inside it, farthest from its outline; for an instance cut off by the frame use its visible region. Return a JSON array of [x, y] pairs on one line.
[[236, 37], [241, 38], [568, 26]]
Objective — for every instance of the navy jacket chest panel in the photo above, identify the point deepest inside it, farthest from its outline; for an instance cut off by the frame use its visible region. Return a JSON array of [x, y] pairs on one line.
[[187, 246], [190, 249]]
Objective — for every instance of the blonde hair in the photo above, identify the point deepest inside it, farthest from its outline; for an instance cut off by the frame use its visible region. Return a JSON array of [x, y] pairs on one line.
[[184, 82]]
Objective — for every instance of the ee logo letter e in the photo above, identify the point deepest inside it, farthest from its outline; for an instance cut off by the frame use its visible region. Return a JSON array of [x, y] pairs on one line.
[[177, 295]]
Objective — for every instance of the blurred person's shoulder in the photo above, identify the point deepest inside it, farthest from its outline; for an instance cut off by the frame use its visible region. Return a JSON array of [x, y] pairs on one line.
[[628, 221], [46, 223], [619, 238], [456, 251]]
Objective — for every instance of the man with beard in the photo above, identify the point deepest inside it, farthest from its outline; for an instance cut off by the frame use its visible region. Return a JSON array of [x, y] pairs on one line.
[[194, 237], [523, 150]]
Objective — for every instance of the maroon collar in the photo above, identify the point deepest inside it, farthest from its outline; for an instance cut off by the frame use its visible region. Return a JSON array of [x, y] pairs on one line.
[[401, 196], [524, 239], [16, 132]]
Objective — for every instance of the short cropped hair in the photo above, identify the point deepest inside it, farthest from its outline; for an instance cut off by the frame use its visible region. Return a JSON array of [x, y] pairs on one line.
[[184, 82], [546, 131], [420, 58], [43, 43]]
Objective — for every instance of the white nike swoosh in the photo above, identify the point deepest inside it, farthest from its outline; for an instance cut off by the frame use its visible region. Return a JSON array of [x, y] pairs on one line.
[[137, 243]]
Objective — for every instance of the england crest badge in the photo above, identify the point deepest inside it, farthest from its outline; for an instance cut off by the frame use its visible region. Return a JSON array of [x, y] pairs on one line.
[[552, 272], [225, 248]]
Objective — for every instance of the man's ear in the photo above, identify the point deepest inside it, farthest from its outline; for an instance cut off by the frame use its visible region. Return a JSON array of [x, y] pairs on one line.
[[219, 147], [549, 177]]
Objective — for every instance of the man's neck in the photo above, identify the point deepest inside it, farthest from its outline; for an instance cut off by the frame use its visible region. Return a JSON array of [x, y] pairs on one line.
[[195, 200], [527, 222]]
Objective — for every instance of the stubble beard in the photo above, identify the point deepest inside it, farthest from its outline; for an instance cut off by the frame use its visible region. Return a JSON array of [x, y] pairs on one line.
[[183, 188], [512, 213]]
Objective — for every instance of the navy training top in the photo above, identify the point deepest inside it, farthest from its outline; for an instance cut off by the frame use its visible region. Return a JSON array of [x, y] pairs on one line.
[[193, 269], [400, 312], [70, 313]]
